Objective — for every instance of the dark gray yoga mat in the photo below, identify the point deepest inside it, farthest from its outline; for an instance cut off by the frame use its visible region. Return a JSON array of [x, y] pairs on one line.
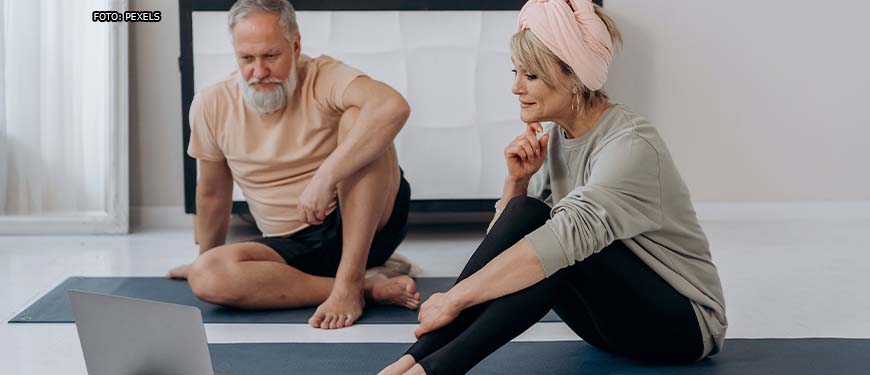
[[54, 307], [740, 357]]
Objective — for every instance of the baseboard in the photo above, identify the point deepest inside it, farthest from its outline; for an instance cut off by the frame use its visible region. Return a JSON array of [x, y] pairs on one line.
[[168, 217], [160, 217], [93, 222]]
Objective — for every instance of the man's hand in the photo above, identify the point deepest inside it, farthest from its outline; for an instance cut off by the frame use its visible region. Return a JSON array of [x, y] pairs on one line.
[[315, 200], [438, 311]]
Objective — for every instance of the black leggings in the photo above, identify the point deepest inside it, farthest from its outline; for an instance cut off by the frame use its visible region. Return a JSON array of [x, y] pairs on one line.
[[612, 300]]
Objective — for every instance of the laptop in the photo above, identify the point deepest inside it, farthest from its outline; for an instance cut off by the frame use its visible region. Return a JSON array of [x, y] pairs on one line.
[[128, 336]]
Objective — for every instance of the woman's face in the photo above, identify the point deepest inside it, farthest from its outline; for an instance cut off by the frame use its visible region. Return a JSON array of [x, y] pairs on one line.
[[539, 102]]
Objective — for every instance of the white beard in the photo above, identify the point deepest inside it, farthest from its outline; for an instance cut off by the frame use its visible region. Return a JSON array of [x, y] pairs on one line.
[[272, 100]]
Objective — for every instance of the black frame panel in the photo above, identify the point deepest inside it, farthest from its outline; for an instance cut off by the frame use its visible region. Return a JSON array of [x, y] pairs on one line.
[[185, 65]]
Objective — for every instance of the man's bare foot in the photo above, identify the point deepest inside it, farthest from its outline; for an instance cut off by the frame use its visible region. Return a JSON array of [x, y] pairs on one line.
[[399, 367], [179, 272], [345, 305], [399, 290], [341, 309]]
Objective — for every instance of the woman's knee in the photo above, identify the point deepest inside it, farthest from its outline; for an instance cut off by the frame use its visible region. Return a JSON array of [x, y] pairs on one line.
[[521, 216], [527, 208]]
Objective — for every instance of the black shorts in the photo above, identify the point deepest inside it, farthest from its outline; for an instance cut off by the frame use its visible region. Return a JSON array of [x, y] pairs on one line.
[[316, 250]]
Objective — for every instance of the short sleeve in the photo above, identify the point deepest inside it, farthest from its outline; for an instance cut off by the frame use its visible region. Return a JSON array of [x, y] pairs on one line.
[[333, 78], [202, 143]]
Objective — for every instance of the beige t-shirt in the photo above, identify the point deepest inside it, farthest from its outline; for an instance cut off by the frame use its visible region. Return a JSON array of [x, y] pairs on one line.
[[273, 157]]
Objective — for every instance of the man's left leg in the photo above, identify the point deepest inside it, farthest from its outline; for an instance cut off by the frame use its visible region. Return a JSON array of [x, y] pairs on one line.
[[366, 199]]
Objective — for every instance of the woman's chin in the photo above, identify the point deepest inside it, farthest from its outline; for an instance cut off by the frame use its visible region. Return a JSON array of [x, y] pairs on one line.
[[529, 118]]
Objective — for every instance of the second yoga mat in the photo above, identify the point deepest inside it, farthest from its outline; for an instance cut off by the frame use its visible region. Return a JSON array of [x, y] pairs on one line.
[[740, 357]]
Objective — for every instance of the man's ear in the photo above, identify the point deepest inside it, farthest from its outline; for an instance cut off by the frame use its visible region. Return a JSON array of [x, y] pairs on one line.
[[297, 45]]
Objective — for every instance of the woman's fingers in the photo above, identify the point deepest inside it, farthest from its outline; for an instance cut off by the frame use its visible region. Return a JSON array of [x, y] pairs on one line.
[[529, 150], [544, 141], [535, 127], [533, 141]]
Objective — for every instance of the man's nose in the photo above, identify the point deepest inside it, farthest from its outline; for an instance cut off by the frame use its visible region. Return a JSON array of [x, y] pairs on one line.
[[260, 70]]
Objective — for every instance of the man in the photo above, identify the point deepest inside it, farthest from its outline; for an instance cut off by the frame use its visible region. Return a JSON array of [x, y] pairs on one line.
[[309, 141]]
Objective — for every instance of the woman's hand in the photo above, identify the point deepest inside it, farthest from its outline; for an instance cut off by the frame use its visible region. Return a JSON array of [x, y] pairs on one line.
[[438, 311], [526, 153]]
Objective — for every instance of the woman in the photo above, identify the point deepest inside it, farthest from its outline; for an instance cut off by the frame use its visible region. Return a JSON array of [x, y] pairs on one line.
[[594, 221]]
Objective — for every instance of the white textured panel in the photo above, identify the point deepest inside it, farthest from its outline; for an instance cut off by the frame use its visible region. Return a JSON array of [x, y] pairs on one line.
[[388, 67], [212, 68], [494, 137], [211, 33], [495, 101], [441, 86], [452, 67], [365, 32], [315, 29], [448, 29], [498, 27], [439, 162]]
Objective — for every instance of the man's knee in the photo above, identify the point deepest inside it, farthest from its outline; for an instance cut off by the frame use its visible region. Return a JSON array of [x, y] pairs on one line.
[[208, 279]]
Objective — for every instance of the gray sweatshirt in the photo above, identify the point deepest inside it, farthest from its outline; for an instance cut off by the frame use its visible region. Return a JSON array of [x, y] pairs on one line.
[[618, 182]]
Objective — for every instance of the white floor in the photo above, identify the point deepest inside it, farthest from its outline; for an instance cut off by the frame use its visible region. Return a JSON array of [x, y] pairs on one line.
[[781, 279]]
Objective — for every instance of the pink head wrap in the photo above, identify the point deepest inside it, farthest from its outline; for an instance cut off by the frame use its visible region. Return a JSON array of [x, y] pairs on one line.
[[574, 33]]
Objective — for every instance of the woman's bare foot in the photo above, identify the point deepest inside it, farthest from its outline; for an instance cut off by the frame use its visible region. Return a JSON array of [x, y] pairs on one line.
[[179, 272], [399, 367], [399, 290]]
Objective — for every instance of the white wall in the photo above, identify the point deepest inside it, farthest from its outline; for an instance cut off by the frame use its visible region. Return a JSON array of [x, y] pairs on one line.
[[758, 102]]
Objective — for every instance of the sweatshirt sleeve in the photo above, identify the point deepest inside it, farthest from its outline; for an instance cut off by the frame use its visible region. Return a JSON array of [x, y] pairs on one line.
[[621, 199]]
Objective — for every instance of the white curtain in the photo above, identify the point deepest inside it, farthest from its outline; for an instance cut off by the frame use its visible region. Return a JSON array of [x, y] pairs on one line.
[[60, 106]]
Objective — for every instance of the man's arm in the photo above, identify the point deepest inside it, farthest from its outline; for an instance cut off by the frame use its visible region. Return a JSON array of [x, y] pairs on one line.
[[382, 113], [214, 202]]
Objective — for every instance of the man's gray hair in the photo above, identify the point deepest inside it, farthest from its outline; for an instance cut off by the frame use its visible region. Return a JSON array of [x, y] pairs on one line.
[[282, 8]]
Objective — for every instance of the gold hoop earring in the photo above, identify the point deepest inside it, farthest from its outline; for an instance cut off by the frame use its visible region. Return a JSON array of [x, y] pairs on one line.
[[575, 103]]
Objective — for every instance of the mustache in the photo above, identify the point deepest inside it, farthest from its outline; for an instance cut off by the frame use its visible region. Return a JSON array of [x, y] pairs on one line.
[[255, 80]]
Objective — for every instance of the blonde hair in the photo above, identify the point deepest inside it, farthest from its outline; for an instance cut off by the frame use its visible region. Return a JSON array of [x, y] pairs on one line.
[[527, 50]]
